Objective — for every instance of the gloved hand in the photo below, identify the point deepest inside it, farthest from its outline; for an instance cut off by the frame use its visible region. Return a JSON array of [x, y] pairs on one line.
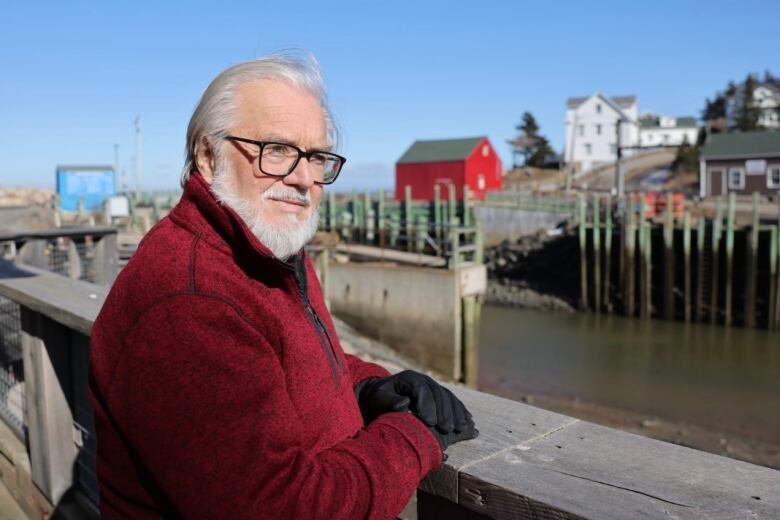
[[443, 413]]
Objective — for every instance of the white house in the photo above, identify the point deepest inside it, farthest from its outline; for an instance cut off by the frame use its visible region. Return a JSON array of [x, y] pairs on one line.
[[655, 130], [591, 129], [766, 100]]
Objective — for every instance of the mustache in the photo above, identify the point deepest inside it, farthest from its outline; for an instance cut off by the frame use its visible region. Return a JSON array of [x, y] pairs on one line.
[[292, 195]]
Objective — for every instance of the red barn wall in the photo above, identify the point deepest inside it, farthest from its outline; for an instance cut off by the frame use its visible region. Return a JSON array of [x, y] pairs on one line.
[[489, 166], [422, 177]]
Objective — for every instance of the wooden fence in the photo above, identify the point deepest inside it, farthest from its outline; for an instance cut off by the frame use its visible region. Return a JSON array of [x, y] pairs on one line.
[[686, 267]]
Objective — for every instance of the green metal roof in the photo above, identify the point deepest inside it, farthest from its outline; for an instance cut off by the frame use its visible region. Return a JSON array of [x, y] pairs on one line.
[[686, 122], [440, 150], [742, 144]]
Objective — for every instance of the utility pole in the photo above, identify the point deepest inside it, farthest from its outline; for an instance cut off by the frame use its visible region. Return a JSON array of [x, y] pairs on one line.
[[137, 162], [117, 177], [619, 189]]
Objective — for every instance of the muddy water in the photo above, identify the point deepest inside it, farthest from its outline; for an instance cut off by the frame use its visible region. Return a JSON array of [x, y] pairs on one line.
[[725, 379]]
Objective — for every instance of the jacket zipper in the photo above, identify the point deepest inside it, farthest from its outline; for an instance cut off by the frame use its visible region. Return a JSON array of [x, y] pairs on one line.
[[322, 331]]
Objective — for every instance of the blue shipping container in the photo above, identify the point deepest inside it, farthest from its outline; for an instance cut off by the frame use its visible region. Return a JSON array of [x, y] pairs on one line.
[[91, 183]]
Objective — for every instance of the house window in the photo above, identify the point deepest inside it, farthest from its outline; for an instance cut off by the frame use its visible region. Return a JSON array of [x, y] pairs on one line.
[[598, 108], [613, 149], [485, 150], [773, 176], [587, 148], [481, 182], [736, 178], [598, 129], [581, 129]]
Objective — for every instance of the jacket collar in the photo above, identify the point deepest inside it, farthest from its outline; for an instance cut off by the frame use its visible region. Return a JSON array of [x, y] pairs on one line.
[[200, 212]]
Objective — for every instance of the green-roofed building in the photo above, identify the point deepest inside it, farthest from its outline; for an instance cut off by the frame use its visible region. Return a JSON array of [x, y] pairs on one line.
[[655, 130], [742, 162], [470, 161]]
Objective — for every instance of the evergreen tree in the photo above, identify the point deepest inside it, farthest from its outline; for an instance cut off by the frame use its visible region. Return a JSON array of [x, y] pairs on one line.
[[746, 118], [529, 143]]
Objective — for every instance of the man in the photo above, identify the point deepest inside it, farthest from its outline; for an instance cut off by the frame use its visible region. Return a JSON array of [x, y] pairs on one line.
[[219, 386]]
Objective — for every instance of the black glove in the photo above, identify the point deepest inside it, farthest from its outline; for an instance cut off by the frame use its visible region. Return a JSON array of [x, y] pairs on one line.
[[443, 413]]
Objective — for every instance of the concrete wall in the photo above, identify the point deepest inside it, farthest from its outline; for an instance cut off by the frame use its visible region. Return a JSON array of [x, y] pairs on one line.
[[510, 224], [415, 310]]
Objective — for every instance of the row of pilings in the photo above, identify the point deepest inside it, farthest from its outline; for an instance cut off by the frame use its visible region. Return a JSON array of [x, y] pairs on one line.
[[678, 265]]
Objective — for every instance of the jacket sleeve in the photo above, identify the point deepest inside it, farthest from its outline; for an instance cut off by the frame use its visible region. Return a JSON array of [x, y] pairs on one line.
[[360, 370], [209, 416]]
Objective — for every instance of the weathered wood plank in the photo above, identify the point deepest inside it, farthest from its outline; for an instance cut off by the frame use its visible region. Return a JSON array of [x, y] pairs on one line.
[[502, 425], [590, 471], [73, 303]]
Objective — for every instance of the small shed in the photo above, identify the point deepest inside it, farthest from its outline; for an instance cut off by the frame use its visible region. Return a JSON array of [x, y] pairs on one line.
[[471, 162], [90, 184], [743, 162]]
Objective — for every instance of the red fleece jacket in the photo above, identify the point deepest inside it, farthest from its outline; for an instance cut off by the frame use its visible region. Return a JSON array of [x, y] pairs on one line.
[[219, 392]]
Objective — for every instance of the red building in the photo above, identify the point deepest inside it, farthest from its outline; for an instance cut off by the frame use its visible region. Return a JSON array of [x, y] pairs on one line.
[[471, 161]]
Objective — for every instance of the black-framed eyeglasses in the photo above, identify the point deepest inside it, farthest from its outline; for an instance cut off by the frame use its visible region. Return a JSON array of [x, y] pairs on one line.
[[280, 159]]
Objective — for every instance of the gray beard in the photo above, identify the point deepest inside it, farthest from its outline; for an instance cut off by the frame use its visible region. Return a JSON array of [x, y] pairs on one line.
[[283, 241]]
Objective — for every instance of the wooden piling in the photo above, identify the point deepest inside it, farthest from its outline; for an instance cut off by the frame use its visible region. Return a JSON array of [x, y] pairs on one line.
[[596, 253], [466, 206], [437, 214], [582, 213], [752, 267], [717, 231], [608, 255], [408, 217], [731, 215], [700, 244], [669, 258], [773, 279], [380, 218], [452, 203], [629, 283], [470, 356], [687, 268]]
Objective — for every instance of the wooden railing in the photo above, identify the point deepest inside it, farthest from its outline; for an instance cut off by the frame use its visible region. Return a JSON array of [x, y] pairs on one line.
[[526, 462]]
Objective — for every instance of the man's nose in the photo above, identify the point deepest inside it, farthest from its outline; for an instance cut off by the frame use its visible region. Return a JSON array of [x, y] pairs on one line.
[[302, 175]]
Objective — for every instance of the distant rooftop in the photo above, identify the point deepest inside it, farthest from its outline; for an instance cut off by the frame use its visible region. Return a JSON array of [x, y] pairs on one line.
[[440, 150], [679, 122], [620, 101], [742, 145]]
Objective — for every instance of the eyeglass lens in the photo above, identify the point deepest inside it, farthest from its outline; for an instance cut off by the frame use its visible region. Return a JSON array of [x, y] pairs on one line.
[[280, 159]]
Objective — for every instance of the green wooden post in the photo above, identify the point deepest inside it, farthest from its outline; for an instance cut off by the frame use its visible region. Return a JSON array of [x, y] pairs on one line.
[[700, 243], [649, 269], [730, 256], [420, 233], [752, 267], [777, 278], [687, 269], [773, 280], [466, 206], [408, 220], [717, 231], [608, 256], [629, 283], [331, 211], [395, 229], [455, 244], [437, 215], [479, 253], [669, 258], [470, 355], [583, 253], [597, 253], [453, 203], [380, 209]]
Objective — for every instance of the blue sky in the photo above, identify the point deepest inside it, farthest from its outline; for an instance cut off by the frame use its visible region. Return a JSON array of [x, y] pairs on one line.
[[74, 75]]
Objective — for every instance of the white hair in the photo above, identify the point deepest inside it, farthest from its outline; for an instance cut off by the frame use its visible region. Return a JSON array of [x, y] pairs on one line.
[[216, 110]]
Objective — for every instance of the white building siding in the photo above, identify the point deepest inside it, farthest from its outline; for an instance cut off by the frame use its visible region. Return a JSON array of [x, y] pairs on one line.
[[591, 131], [667, 136]]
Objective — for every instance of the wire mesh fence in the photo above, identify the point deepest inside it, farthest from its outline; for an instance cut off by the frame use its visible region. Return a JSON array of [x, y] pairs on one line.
[[12, 397]]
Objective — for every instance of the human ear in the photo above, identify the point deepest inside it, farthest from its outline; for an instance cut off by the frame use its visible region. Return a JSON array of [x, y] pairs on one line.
[[204, 159]]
